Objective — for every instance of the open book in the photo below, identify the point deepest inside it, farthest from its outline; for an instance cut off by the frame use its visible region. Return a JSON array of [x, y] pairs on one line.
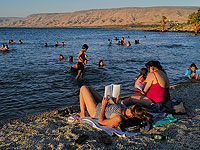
[[112, 90]]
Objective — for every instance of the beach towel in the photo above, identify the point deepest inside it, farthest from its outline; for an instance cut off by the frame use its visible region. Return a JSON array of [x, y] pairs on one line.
[[157, 120], [109, 130]]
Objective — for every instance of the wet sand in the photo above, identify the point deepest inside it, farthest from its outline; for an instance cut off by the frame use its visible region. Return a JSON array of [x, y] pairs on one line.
[[51, 130]]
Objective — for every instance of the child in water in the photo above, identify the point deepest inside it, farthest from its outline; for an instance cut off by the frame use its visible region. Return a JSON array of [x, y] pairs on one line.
[[139, 81], [81, 56], [192, 72], [109, 42]]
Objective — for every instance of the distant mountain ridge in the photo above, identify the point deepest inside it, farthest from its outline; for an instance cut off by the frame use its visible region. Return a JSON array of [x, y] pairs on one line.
[[102, 17]]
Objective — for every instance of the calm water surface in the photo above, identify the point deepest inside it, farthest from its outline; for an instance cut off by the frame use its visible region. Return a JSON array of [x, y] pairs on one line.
[[34, 80]]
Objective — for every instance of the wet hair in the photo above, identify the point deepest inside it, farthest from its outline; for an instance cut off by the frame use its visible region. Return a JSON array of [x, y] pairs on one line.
[[85, 46], [143, 71], [139, 112], [100, 62], [155, 64], [61, 57], [71, 58], [193, 65]]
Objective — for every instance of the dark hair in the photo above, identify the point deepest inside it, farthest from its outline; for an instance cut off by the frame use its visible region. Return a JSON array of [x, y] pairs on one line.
[[140, 112], [71, 58], [193, 65], [155, 64], [100, 62], [85, 46], [143, 71]]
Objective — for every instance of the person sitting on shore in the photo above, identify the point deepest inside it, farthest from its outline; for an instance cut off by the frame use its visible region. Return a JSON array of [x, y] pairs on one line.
[[128, 43], [78, 68], [109, 42], [193, 72], [139, 80], [156, 88], [107, 114], [101, 64], [81, 56]]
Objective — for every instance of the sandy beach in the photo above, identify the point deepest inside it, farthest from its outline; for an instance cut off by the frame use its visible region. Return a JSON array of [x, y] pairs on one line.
[[51, 130]]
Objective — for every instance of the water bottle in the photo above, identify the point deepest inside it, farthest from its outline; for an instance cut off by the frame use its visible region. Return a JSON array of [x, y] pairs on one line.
[[159, 137]]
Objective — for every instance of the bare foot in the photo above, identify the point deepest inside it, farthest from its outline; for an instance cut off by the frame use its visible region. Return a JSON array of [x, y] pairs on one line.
[[81, 114]]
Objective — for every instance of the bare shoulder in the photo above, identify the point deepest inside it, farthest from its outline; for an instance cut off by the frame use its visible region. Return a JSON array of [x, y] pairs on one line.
[[150, 76]]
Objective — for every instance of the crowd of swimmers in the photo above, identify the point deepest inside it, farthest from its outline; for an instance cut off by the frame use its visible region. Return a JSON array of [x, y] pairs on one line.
[[56, 45], [121, 42], [5, 46]]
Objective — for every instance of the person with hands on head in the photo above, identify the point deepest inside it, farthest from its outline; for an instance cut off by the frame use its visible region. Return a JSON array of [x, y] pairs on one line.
[[107, 114]]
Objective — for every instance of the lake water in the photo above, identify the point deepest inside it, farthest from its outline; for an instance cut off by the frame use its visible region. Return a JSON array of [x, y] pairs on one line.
[[34, 80]]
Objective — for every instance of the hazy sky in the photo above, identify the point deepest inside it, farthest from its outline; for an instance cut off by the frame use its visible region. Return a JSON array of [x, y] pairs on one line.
[[22, 8]]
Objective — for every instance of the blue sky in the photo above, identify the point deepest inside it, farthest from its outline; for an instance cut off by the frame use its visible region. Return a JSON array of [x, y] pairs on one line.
[[22, 8]]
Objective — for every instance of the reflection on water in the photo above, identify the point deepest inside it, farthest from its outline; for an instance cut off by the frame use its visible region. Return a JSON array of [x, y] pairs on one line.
[[33, 79]]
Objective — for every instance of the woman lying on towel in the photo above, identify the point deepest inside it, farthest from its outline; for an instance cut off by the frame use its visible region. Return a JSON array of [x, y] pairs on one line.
[[156, 88], [105, 111]]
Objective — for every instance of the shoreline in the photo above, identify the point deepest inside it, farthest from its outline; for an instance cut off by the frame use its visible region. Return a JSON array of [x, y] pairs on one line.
[[50, 130], [148, 29]]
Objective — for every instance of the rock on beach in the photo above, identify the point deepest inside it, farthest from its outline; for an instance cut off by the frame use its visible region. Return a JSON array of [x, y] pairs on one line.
[[51, 130]]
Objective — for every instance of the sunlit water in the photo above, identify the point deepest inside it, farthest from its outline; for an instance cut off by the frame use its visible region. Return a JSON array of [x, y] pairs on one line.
[[33, 79]]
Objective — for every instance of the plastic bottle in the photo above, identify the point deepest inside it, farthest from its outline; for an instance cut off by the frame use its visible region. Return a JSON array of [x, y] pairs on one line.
[[159, 137]]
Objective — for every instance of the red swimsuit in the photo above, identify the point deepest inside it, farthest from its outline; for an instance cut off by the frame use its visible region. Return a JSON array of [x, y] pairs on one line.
[[157, 93]]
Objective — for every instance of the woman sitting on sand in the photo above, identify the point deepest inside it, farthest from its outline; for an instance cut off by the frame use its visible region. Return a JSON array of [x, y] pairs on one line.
[[156, 87], [105, 111]]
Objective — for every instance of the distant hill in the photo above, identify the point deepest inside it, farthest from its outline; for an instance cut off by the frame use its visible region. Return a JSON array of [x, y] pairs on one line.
[[102, 17]]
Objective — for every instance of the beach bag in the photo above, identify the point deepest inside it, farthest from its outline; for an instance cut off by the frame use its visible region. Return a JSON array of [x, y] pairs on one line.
[[135, 125]]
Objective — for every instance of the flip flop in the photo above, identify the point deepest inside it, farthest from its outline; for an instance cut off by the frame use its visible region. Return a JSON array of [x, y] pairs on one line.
[[81, 139]]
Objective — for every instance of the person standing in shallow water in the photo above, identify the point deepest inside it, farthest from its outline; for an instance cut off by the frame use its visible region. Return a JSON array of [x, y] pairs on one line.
[[82, 56]]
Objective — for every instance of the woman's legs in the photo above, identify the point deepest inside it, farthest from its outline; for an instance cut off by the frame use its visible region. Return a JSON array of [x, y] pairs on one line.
[[87, 101], [97, 97], [142, 100]]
